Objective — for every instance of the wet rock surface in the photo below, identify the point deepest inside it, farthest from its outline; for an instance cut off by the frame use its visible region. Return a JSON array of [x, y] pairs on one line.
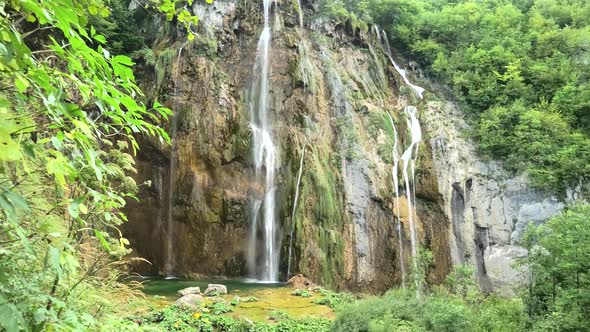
[[190, 301], [215, 289]]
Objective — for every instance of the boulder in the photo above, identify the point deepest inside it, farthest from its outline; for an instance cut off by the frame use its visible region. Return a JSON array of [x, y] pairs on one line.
[[300, 282], [189, 290], [215, 289], [190, 301]]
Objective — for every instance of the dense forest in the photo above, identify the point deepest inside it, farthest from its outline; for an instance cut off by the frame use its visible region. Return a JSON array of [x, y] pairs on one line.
[[71, 114]]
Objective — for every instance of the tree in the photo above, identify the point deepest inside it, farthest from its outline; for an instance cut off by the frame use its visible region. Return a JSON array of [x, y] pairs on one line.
[[69, 113], [559, 270]]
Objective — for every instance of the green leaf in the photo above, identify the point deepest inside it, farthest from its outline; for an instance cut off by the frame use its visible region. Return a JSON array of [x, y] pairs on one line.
[[100, 236], [83, 209], [74, 208], [10, 318]]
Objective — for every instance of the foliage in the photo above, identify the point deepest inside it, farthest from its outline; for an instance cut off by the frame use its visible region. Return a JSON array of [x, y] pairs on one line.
[[178, 319], [120, 28], [401, 310], [69, 114], [301, 292], [520, 69], [334, 300], [558, 295], [219, 307]]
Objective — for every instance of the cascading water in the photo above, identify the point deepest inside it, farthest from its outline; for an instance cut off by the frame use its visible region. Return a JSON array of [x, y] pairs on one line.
[[170, 259], [396, 188], [265, 158], [377, 32], [300, 13], [409, 159], [419, 91], [295, 200]]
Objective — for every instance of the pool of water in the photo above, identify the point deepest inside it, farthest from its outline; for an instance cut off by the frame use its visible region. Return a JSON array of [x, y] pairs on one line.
[[271, 297], [169, 287]]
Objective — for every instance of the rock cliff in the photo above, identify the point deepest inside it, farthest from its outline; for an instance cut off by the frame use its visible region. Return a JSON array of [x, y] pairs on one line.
[[332, 89]]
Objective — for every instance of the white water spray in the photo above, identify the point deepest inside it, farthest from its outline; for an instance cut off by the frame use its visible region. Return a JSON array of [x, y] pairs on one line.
[[300, 13], [418, 90], [394, 173], [295, 201], [409, 159], [265, 158]]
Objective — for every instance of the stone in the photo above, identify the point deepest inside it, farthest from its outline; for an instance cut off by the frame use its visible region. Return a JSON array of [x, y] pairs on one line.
[[501, 269], [215, 289], [189, 290], [190, 301], [300, 282]]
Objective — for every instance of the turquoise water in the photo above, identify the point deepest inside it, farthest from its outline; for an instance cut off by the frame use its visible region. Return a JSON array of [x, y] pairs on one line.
[[169, 287]]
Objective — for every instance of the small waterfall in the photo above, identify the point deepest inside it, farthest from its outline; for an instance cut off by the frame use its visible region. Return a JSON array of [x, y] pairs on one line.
[[295, 200], [396, 188], [419, 91], [300, 13], [264, 153], [170, 262], [251, 249], [377, 32], [177, 72], [409, 159]]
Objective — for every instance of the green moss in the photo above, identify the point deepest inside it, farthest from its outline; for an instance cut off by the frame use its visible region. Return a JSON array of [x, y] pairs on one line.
[[305, 70], [164, 65], [379, 121]]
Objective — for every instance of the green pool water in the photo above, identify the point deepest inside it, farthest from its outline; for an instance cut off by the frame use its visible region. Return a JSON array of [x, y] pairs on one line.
[[271, 297], [169, 287]]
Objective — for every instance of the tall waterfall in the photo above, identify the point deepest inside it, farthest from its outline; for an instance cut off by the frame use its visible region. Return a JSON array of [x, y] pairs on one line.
[[170, 262], [265, 158], [394, 173], [419, 91], [409, 159]]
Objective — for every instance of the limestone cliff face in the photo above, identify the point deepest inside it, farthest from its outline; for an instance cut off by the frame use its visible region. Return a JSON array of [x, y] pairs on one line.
[[331, 87], [331, 90], [488, 207]]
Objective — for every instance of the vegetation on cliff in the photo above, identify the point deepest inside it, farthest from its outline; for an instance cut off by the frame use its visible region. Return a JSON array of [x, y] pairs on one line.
[[69, 110], [519, 69]]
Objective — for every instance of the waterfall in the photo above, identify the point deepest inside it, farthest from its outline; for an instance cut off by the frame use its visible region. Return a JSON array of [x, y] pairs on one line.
[[377, 32], [170, 261], [251, 249], [177, 72], [418, 90], [396, 188], [295, 200], [300, 12], [265, 155], [409, 159]]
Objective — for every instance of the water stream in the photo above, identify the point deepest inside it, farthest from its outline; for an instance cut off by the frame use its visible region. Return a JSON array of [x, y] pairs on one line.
[[409, 159], [295, 201], [170, 260], [265, 158], [300, 13], [396, 188], [418, 90]]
